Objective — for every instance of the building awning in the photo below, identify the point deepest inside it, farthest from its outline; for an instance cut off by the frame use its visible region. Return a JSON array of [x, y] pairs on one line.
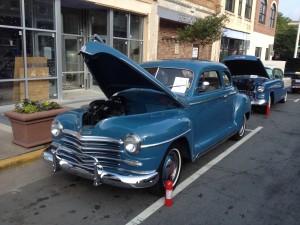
[[235, 34]]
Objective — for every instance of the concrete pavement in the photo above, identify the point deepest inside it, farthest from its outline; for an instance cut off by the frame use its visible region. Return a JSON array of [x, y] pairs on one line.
[[13, 155]]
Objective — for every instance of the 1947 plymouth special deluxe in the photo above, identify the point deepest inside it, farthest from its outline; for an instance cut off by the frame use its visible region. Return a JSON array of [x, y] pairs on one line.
[[155, 114], [251, 77]]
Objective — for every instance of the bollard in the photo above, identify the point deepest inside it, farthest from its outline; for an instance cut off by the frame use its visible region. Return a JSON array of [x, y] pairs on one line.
[[168, 196]]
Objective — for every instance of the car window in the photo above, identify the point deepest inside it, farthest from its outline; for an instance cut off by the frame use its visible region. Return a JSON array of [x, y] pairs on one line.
[[226, 79], [178, 80], [270, 72], [209, 81], [278, 73]]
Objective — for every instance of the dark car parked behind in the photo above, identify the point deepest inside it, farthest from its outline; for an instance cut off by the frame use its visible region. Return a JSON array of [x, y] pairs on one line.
[[292, 70]]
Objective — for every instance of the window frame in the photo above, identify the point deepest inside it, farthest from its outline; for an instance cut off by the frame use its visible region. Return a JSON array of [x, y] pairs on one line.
[[248, 9], [273, 16], [262, 11], [229, 5]]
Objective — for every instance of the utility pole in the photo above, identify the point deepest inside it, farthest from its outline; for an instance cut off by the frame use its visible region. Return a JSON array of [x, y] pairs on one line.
[[297, 40]]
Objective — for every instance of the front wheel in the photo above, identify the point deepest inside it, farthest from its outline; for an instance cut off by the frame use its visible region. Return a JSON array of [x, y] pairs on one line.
[[241, 132], [170, 169]]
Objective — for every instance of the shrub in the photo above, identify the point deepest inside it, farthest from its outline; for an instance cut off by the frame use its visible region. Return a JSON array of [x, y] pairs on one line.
[[29, 106]]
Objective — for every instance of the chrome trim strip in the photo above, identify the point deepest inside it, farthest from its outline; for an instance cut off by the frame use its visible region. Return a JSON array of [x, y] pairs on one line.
[[213, 99], [71, 151], [166, 141], [91, 138], [83, 148]]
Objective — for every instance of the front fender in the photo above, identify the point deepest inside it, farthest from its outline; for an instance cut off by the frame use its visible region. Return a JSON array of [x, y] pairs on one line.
[[242, 107]]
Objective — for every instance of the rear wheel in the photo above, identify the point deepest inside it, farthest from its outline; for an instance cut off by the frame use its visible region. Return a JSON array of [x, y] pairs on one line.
[[170, 169], [241, 132]]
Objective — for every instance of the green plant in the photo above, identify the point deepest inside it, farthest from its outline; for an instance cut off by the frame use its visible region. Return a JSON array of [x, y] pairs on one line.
[[29, 106]]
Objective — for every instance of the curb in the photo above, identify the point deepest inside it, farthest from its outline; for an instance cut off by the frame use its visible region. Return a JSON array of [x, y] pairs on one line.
[[21, 159]]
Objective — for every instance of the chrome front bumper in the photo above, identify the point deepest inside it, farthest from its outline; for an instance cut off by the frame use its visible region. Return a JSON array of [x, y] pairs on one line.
[[99, 175], [259, 102]]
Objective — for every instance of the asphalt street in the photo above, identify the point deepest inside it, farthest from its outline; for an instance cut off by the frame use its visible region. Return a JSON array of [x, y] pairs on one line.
[[257, 182]]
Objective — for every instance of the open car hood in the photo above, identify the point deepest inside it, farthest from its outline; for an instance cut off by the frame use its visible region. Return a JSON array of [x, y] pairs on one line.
[[245, 65], [114, 72]]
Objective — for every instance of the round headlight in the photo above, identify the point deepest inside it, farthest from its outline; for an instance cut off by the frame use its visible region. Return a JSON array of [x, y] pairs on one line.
[[132, 144], [260, 88], [56, 128]]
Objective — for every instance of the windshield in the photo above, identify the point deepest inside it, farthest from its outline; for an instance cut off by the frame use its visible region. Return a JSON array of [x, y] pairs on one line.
[[178, 80]]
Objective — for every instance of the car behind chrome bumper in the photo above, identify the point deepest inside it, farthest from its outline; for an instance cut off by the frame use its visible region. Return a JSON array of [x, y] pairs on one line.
[[100, 175]]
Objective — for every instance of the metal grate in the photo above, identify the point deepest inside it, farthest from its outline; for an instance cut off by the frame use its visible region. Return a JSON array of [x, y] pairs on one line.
[[84, 151]]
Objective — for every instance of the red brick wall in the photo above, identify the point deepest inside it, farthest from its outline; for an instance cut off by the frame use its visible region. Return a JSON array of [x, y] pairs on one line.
[[168, 39], [265, 28]]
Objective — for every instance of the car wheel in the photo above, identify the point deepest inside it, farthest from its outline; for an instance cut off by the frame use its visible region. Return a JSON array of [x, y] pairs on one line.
[[170, 169], [284, 99], [241, 132]]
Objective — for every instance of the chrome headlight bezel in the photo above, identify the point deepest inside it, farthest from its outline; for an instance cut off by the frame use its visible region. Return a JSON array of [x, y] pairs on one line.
[[260, 88], [132, 144], [56, 128]]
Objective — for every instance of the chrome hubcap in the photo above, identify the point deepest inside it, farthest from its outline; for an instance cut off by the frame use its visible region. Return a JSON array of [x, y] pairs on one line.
[[172, 165]]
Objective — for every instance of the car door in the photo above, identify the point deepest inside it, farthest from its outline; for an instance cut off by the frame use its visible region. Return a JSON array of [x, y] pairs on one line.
[[211, 110]]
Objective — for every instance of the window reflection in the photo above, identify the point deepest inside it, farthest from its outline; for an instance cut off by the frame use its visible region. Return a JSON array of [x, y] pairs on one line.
[[40, 54], [10, 13], [10, 48], [39, 14], [136, 27], [120, 24]]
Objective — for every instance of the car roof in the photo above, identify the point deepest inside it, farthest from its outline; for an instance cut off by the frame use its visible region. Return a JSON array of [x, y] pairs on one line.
[[194, 65]]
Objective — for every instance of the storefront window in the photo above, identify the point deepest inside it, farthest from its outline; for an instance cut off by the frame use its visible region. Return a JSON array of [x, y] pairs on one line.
[[231, 46], [39, 14], [10, 49], [72, 62], [73, 81], [120, 24], [10, 92], [121, 45], [10, 13], [99, 22], [40, 54], [72, 21], [136, 50], [136, 27]]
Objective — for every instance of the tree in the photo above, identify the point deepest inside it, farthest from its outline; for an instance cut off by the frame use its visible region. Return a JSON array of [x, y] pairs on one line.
[[204, 31], [285, 37]]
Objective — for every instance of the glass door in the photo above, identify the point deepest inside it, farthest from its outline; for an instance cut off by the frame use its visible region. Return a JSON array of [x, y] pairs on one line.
[[73, 70]]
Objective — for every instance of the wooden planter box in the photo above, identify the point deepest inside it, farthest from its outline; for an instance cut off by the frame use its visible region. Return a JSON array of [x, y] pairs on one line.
[[33, 129]]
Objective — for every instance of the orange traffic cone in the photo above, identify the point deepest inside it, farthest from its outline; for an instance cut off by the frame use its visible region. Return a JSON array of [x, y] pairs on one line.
[[268, 110], [168, 196]]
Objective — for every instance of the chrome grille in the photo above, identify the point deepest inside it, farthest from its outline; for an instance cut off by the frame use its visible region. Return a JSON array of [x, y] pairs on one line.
[[84, 151], [251, 94]]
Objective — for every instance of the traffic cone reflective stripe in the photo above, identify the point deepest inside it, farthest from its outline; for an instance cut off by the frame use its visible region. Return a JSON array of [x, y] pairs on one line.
[[168, 196]]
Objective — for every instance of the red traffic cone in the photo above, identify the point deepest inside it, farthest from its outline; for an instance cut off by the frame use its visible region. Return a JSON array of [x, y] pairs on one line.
[[268, 110], [168, 196]]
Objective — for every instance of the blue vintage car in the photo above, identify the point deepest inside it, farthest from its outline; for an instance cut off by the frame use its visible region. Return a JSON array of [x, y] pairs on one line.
[[155, 115], [251, 77]]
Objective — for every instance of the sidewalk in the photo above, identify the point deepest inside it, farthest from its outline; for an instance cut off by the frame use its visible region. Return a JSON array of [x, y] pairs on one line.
[[13, 155]]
